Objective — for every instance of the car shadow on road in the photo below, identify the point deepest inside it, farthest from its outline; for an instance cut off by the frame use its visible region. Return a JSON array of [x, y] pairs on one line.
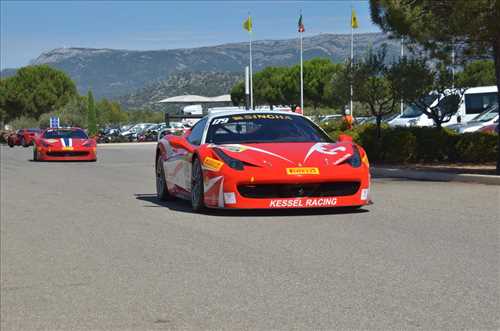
[[184, 206]]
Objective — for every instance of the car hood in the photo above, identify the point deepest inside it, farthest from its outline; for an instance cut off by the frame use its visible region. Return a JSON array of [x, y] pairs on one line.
[[68, 142], [471, 126], [290, 154]]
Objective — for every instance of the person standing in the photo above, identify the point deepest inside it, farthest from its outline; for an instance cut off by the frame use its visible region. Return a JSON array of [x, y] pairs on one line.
[[348, 119]]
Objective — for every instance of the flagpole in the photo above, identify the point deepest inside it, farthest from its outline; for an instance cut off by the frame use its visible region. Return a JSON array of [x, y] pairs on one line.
[[352, 61], [301, 75], [251, 72], [402, 54]]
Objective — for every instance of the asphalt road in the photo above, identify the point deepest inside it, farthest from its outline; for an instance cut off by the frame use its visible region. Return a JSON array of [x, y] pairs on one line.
[[88, 246]]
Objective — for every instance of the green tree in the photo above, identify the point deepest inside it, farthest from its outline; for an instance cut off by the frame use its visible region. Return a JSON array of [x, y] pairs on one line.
[[477, 73], [317, 78], [372, 85], [427, 89], [24, 122], [35, 90], [91, 113], [238, 94], [338, 92], [473, 27], [268, 86], [74, 113], [111, 113]]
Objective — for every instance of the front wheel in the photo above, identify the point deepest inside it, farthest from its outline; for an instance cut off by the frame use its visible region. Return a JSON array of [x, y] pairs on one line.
[[35, 154], [197, 196], [161, 183], [23, 142]]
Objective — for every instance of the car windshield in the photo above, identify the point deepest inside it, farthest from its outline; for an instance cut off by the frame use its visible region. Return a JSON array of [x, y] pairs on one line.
[[58, 133], [411, 112], [263, 128], [487, 115]]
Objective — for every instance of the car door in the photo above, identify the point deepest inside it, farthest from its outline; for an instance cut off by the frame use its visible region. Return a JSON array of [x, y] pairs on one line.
[[178, 165]]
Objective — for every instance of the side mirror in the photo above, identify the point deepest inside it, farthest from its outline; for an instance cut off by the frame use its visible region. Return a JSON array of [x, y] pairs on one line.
[[162, 134], [180, 142]]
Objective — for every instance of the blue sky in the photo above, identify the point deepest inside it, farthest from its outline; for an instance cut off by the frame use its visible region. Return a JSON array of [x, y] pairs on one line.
[[29, 28]]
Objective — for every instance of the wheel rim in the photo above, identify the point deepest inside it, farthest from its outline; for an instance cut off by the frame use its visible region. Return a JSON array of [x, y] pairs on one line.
[[160, 178]]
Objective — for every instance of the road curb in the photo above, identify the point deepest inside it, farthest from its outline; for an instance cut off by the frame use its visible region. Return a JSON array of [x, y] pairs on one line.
[[383, 172]]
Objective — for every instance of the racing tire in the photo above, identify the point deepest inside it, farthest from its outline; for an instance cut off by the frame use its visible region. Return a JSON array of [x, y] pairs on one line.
[[161, 183], [197, 194], [35, 155], [23, 142], [11, 145]]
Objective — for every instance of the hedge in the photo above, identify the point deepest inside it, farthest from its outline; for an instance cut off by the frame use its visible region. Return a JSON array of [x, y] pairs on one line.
[[422, 145]]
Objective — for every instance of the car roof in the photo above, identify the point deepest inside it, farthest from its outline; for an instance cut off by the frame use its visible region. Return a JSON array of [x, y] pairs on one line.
[[64, 129]]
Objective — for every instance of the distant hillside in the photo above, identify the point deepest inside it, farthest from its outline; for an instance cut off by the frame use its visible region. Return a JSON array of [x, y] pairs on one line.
[[7, 73], [200, 83], [113, 73]]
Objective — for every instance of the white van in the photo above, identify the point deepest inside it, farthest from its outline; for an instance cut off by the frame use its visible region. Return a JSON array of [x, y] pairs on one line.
[[474, 101]]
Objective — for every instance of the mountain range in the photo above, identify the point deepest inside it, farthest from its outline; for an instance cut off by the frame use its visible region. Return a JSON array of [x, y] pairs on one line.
[[123, 74]]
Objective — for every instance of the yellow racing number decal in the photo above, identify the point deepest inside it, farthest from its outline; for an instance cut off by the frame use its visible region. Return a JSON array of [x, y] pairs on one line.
[[302, 171], [212, 164], [365, 160]]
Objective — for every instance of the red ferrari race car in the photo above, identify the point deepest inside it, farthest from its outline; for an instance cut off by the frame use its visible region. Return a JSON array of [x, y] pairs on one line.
[[64, 144], [260, 160], [23, 137]]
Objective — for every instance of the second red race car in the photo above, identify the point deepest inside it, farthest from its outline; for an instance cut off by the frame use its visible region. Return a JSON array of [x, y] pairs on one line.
[[260, 160], [23, 137], [64, 144]]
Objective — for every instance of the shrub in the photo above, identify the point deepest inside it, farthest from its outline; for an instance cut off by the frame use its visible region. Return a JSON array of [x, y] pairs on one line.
[[476, 147], [433, 144], [401, 145]]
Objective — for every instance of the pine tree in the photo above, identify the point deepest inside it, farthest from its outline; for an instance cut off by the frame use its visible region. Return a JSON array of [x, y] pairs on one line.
[[91, 113]]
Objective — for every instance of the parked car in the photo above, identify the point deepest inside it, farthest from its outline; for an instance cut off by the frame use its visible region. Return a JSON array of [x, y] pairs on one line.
[[491, 128], [151, 132], [489, 116], [330, 118], [411, 116], [131, 133]]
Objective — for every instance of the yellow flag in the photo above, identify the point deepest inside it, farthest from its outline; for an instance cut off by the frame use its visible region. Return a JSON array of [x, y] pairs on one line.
[[247, 25], [354, 20]]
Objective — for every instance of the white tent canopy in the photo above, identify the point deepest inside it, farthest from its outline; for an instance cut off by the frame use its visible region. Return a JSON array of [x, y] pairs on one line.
[[196, 99]]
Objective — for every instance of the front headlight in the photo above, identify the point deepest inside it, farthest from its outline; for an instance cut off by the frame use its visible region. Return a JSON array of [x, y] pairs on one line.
[[231, 162], [355, 159], [88, 143]]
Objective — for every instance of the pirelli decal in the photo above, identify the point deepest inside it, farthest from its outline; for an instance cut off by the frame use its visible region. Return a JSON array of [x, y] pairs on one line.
[[212, 164], [302, 171]]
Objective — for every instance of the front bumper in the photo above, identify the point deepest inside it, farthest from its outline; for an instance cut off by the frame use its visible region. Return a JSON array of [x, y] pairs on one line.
[[56, 154], [227, 193]]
